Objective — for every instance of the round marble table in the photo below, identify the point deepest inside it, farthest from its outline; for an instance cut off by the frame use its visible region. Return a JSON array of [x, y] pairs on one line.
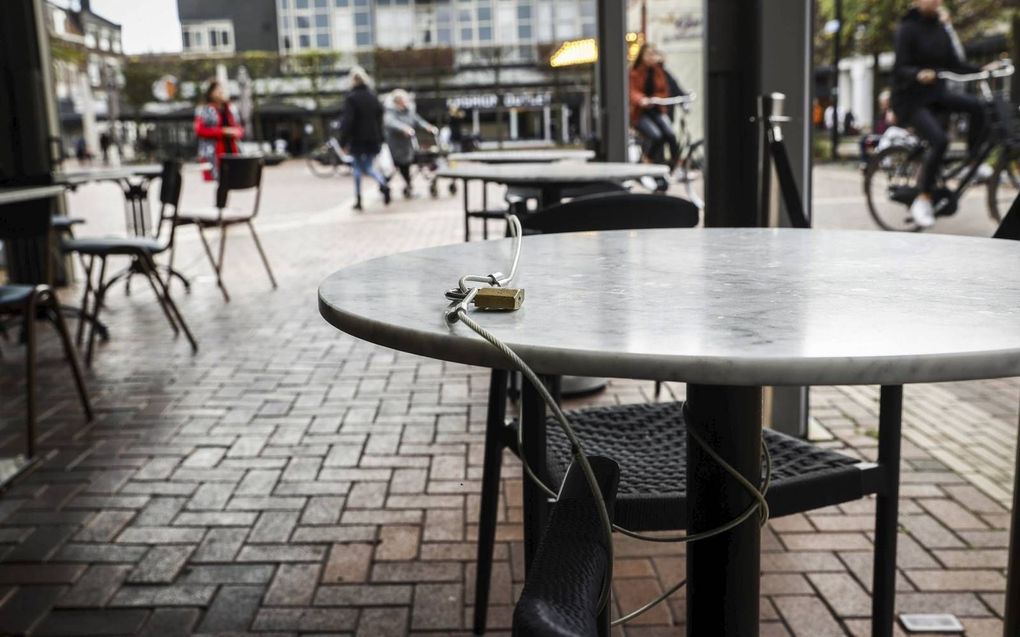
[[543, 155], [725, 310]]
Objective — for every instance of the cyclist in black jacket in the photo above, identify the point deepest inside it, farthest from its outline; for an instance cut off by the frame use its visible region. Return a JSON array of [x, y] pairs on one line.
[[925, 45]]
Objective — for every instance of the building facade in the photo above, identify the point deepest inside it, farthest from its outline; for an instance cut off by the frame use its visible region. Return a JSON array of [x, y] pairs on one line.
[[228, 26], [88, 72]]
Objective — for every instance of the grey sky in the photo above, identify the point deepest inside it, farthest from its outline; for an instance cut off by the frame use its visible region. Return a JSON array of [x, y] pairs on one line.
[[149, 26]]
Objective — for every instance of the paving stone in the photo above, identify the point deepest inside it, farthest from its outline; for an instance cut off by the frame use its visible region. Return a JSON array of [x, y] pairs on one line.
[[104, 526], [96, 586], [232, 610], [92, 622], [294, 585], [808, 617], [227, 574], [175, 595], [220, 545], [171, 622], [306, 619], [382, 621], [274, 526], [22, 609], [348, 563]]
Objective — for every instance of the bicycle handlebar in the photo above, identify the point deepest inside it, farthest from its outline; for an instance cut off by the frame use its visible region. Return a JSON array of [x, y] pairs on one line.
[[1003, 71]]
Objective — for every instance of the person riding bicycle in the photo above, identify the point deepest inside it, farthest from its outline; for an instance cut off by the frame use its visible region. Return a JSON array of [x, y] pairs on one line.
[[925, 45], [648, 80]]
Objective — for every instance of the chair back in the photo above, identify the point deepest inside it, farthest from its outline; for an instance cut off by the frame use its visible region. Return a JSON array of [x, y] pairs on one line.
[[1010, 226], [25, 230], [170, 186], [239, 172], [623, 211]]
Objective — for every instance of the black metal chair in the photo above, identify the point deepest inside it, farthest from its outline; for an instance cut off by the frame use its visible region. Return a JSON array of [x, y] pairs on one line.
[[613, 211], [563, 587], [142, 251], [237, 172], [26, 235]]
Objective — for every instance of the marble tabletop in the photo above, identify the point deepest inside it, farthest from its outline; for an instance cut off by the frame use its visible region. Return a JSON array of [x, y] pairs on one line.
[[89, 175], [28, 193], [523, 156], [716, 306], [553, 173]]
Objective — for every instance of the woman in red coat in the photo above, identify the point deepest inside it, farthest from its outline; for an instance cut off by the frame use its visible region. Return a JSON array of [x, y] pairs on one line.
[[647, 80], [217, 128]]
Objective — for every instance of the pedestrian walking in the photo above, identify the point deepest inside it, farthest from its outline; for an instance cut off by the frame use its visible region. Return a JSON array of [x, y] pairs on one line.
[[361, 133], [218, 129], [401, 125]]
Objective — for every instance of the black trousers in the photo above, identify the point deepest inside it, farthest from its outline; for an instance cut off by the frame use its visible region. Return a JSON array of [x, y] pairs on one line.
[[925, 121], [405, 172], [657, 131]]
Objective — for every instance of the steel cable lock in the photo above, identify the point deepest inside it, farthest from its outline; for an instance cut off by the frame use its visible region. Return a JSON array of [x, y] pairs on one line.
[[494, 294]]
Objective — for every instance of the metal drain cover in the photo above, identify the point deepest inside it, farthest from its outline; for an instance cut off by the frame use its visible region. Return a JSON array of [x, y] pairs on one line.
[[931, 623]]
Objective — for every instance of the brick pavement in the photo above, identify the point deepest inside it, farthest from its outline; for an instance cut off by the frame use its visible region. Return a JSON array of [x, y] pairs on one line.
[[291, 479]]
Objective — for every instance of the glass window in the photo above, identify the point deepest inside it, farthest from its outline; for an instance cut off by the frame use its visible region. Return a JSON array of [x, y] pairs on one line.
[[286, 22], [484, 13], [303, 22], [304, 41], [464, 15], [322, 40], [320, 4], [363, 38], [588, 30], [485, 34], [321, 20], [214, 38], [444, 36], [361, 19], [187, 38], [284, 4], [523, 11], [467, 34], [524, 31], [361, 3], [197, 35], [342, 3], [300, 4]]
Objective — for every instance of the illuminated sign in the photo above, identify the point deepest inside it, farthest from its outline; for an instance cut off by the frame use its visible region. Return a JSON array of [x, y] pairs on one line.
[[586, 51]]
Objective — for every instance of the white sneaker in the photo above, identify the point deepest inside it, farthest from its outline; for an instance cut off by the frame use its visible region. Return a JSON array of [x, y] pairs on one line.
[[984, 173], [922, 212]]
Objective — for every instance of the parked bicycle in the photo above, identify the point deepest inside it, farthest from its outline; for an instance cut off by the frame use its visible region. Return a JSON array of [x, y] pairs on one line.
[[326, 160], [891, 177], [692, 152]]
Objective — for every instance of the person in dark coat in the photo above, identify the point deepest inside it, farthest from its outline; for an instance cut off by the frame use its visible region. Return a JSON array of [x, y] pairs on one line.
[[925, 45], [361, 133]]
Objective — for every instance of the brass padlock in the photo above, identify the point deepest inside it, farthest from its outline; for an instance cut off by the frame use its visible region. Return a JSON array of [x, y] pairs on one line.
[[503, 299]]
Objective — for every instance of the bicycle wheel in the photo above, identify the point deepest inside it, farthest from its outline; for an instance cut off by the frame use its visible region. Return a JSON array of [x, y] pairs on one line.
[[691, 168], [1004, 184], [323, 162], [890, 185]]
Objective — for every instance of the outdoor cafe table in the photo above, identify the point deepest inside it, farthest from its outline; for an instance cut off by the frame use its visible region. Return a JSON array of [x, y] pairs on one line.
[[133, 180], [724, 310], [534, 156], [548, 180]]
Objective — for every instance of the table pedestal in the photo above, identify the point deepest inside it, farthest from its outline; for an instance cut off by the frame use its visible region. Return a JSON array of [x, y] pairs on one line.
[[723, 571]]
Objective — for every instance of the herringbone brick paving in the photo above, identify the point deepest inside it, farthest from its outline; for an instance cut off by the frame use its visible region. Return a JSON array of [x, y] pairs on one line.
[[291, 479]]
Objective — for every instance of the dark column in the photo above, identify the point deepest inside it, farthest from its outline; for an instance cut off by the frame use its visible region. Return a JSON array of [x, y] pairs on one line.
[[723, 572], [1011, 623], [27, 112], [733, 84], [613, 79]]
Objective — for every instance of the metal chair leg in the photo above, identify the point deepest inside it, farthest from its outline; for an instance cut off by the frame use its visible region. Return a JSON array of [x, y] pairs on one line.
[[70, 355], [219, 261], [97, 301], [149, 272], [495, 424], [212, 261], [262, 253], [150, 268], [883, 590], [85, 299], [536, 502], [30, 412]]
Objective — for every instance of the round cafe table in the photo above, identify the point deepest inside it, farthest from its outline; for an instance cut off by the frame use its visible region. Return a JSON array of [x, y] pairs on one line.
[[726, 311], [523, 156]]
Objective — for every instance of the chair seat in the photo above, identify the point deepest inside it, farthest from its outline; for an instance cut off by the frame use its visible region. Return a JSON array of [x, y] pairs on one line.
[[211, 217], [649, 441], [105, 246], [14, 295]]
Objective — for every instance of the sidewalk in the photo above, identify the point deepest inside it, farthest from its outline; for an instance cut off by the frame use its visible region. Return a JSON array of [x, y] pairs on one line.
[[291, 479]]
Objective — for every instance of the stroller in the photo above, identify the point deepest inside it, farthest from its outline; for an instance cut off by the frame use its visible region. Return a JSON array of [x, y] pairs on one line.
[[428, 160]]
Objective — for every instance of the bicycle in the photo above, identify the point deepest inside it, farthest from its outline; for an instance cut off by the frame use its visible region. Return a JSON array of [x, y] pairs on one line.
[[326, 160], [891, 176], [692, 152]]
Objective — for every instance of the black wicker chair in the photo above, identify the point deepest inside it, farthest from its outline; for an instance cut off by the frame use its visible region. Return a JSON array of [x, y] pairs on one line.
[[561, 593], [649, 442]]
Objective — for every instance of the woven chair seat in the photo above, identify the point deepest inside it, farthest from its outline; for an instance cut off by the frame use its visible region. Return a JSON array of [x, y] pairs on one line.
[[649, 441]]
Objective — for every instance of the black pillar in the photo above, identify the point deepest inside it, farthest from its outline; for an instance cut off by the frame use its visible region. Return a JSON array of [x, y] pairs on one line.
[[613, 79], [27, 115], [732, 139]]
